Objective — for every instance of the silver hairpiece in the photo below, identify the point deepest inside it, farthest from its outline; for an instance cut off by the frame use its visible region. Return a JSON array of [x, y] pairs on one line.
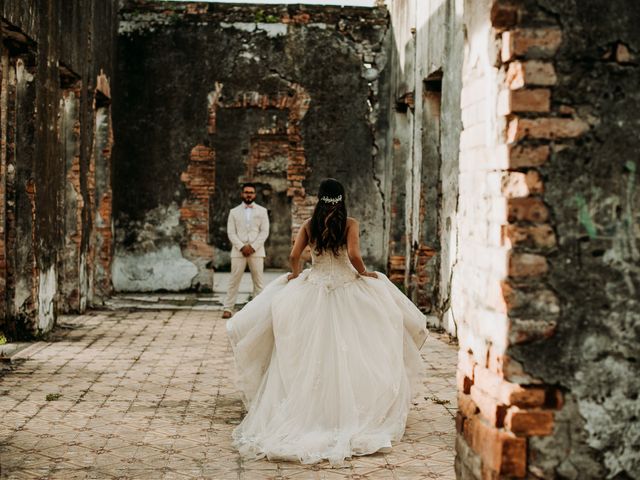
[[333, 200]]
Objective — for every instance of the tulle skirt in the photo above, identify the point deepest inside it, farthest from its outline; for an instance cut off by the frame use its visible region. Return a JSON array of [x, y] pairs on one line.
[[325, 372]]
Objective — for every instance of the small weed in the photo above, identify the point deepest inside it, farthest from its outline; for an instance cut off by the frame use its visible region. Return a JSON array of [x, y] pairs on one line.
[[52, 397], [3, 339], [437, 400], [261, 17]]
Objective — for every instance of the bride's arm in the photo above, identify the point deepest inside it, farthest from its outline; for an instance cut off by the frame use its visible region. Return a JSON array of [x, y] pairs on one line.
[[302, 239], [353, 249]]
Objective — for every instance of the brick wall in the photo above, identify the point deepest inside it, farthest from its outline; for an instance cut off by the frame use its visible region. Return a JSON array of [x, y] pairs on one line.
[[73, 199], [329, 119], [266, 146], [51, 57], [510, 128], [199, 178], [102, 240], [422, 153]]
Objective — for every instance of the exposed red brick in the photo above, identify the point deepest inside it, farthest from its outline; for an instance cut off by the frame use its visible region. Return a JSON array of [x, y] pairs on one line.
[[545, 128], [397, 268], [463, 382], [199, 179], [509, 393], [526, 156], [302, 18], [531, 329], [529, 422], [102, 238], [530, 73], [530, 236], [520, 184], [525, 100], [527, 265], [530, 209], [466, 405], [530, 42], [460, 419], [490, 407], [501, 451], [504, 14], [420, 280]]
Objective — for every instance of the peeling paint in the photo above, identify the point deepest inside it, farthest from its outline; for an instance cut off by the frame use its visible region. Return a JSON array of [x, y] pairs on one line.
[[46, 294], [164, 268]]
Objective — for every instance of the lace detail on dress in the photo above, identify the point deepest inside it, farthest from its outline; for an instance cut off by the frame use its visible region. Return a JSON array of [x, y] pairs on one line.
[[331, 271]]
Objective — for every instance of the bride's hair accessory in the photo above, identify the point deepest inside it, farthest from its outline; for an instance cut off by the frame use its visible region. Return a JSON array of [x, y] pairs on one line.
[[332, 200]]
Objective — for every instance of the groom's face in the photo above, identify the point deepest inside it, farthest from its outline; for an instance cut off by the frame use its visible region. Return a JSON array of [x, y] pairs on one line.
[[248, 194]]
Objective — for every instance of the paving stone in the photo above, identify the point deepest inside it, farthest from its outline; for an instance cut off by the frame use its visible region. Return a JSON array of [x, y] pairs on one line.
[[150, 394]]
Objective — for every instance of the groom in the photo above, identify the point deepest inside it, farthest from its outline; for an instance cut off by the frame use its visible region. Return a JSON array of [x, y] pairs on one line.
[[248, 229]]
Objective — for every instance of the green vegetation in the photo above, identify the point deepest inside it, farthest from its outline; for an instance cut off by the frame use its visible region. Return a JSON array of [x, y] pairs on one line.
[[261, 17], [52, 397]]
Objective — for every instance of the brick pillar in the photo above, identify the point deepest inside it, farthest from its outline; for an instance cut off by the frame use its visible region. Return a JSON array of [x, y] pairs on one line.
[[102, 236], [199, 179], [73, 201], [508, 125], [5, 89]]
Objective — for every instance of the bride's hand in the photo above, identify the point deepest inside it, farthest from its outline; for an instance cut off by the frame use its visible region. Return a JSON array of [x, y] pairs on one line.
[[291, 276], [369, 274]]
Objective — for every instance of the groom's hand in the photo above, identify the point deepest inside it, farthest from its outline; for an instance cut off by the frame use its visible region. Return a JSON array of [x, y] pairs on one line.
[[247, 250]]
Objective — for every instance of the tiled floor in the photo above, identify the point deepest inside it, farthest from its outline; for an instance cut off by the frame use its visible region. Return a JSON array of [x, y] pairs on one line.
[[149, 394]]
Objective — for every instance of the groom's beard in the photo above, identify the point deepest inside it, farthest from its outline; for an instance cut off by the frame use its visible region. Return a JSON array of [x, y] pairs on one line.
[[248, 202]]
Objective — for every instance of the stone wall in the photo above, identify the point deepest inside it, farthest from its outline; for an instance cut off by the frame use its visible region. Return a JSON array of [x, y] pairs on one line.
[[536, 205], [217, 95], [57, 58], [547, 371], [422, 148]]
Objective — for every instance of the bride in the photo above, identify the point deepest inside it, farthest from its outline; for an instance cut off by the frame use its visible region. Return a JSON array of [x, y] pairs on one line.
[[326, 357]]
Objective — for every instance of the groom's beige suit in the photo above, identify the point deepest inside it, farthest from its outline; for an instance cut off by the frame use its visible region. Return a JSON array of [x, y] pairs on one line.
[[246, 225]]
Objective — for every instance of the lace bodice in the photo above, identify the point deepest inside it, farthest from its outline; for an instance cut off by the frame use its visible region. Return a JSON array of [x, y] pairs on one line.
[[331, 270]]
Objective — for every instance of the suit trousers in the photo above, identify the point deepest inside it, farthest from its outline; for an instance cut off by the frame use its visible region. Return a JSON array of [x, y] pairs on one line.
[[238, 266]]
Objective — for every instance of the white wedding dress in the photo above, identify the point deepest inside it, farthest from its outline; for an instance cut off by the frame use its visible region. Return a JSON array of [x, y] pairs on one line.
[[326, 364]]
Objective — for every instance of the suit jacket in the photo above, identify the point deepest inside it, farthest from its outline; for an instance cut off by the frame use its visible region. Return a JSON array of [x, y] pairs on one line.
[[254, 234]]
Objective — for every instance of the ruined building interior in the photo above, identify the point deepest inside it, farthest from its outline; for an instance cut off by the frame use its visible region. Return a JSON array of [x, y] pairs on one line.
[[488, 147]]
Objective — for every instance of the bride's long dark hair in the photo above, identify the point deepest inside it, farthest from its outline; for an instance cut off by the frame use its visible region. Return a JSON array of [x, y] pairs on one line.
[[329, 220]]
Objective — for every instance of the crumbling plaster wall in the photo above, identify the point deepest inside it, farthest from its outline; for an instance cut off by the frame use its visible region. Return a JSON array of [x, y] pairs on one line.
[[591, 187], [312, 74], [548, 369], [543, 253], [45, 45], [427, 43]]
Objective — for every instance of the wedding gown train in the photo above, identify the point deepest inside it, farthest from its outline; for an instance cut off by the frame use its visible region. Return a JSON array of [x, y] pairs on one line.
[[326, 363]]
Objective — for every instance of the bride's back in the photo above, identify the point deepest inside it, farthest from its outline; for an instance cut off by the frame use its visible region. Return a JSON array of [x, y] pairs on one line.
[[330, 269]]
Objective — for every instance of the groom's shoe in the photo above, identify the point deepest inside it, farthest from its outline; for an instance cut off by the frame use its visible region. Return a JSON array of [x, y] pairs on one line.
[[227, 314]]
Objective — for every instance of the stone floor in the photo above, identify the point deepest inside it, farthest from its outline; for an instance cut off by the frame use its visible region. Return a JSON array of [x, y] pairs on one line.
[[149, 394]]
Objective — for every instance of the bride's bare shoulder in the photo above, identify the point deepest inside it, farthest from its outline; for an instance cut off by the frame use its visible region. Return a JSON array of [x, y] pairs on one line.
[[306, 225], [351, 222]]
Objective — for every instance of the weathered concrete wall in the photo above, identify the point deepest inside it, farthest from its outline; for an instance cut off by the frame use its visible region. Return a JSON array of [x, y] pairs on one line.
[[512, 139], [591, 190], [548, 375], [426, 73], [52, 56], [283, 96]]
